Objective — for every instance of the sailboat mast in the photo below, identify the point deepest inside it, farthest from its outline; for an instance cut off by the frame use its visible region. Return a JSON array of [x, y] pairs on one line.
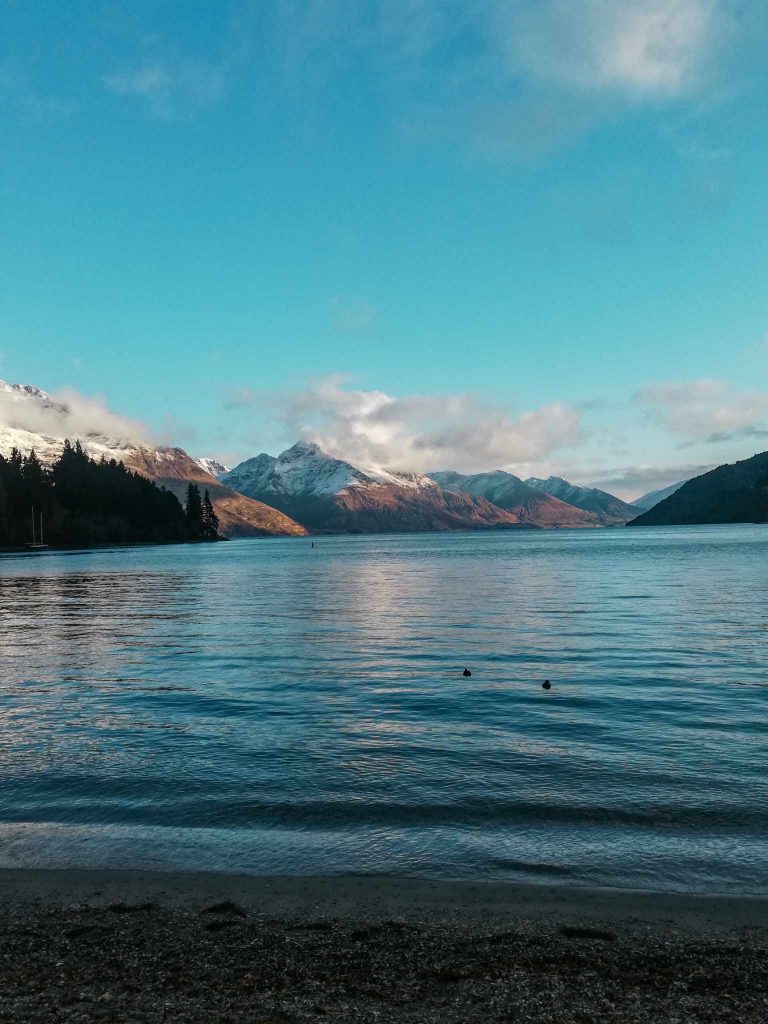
[[33, 526], [41, 526]]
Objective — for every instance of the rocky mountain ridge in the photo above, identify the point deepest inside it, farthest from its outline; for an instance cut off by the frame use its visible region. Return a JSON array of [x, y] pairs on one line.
[[609, 510], [327, 494], [507, 491]]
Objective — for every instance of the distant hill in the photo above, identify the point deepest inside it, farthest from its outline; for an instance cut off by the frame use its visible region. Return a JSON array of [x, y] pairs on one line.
[[330, 495], [736, 493], [610, 510], [647, 501], [529, 505]]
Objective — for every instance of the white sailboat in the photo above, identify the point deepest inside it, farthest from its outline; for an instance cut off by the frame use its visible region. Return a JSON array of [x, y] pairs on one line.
[[37, 545]]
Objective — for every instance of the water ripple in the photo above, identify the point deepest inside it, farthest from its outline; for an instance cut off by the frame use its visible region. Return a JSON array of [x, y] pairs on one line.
[[267, 707]]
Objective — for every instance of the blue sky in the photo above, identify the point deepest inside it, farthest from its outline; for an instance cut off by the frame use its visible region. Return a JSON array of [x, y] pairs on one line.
[[430, 234]]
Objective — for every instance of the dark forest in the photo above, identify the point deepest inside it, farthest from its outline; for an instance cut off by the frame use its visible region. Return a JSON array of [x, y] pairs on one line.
[[84, 503]]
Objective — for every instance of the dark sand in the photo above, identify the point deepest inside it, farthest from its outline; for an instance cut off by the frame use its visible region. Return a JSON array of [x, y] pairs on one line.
[[153, 947]]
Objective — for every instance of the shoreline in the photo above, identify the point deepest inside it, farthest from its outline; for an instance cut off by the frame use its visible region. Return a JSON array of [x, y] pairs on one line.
[[354, 898], [181, 948]]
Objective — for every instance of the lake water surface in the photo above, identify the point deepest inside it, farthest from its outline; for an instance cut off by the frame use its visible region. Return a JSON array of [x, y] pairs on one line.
[[260, 706]]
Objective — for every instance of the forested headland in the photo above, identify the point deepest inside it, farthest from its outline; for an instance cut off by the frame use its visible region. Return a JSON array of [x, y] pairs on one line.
[[82, 502]]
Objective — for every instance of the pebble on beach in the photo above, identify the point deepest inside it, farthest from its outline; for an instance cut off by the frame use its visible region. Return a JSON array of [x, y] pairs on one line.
[[149, 965]]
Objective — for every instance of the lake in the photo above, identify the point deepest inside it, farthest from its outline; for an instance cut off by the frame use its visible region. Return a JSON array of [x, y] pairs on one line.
[[265, 707]]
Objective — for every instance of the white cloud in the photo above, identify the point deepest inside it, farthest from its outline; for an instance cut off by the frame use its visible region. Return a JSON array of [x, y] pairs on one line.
[[511, 75], [419, 433], [630, 482], [642, 48], [501, 76], [67, 413], [706, 410], [170, 88]]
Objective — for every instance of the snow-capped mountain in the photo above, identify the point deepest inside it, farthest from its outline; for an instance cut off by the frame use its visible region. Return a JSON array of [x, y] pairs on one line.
[[610, 510], [217, 469], [22, 391], [647, 501], [306, 469], [329, 494], [530, 505], [23, 408], [252, 474]]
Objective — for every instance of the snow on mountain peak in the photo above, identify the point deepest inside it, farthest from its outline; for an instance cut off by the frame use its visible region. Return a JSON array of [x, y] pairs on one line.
[[302, 448], [306, 469], [23, 391], [212, 466]]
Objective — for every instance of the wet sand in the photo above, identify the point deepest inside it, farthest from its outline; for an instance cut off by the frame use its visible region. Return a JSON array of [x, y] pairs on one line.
[[150, 947]]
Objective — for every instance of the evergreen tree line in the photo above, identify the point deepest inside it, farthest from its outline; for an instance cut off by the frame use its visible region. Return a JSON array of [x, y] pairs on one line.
[[202, 521], [85, 503]]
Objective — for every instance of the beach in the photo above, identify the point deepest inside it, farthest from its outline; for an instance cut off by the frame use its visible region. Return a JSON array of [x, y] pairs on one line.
[[140, 946]]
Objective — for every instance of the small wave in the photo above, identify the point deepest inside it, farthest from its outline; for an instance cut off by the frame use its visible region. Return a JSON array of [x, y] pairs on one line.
[[531, 868]]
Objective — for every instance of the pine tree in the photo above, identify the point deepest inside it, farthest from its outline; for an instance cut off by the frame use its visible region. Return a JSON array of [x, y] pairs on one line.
[[194, 512], [210, 519]]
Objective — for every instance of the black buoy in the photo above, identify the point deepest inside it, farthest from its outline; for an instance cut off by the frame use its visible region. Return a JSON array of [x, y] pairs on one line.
[[546, 685], [466, 672]]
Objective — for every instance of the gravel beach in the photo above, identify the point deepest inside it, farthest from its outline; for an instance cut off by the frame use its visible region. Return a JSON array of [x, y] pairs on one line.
[[82, 946]]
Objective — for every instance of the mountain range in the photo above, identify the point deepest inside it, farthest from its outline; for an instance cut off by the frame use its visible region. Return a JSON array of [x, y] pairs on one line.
[[529, 506], [330, 495], [307, 489]]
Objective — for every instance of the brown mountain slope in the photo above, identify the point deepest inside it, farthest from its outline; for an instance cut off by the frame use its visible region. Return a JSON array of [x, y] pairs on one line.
[[387, 507], [239, 516]]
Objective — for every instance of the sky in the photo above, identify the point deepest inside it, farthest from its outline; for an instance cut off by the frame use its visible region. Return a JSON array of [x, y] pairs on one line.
[[429, 234]]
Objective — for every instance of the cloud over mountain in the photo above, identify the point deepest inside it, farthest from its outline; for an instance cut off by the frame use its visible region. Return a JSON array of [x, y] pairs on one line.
[[66, 413], [421, 432]]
